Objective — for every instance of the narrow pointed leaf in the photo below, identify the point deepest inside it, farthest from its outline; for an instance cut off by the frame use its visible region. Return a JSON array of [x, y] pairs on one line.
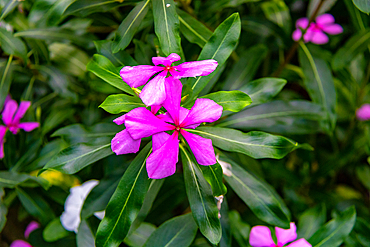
[[117, 103], [255, 144], [6, 74], [278, 12], [12, 180], [125, 203], [311, 220], [12, 45], [213, 174], [178, 231], [202, 202], [230, 100], [86, 7]]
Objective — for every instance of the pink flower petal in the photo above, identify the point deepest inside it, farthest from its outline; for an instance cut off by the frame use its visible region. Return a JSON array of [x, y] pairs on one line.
[[201, 147], [332, 29], [363, 113], [159, 139], [204, 110], [9, 110], [123, 143], [138, 75], [20, 243], [285, 236], [28, 126], [33, 225], [319, 38], [141, 123], [166, 61], [155, 108], [162, 162], [300, 243], [195, 68], [165, 117], [297, 34], [260, 236], [308, 35], [23, 107], [302, 23], [183, 113], [120, 120], [154, 93], [173, 98], [325, 19]]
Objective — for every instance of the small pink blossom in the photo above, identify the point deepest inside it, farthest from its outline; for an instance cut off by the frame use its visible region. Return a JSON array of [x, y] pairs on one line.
[[260, 236], [141, 123], [30, 228], [316, 31], [154, 92], [363, 113]]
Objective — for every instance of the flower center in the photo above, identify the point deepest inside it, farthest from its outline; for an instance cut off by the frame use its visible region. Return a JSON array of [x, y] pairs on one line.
[[178, 128], [168, 68], [316, 27]]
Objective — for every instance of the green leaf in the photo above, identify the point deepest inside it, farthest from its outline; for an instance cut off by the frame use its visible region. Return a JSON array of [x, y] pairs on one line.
[[278, 12], [193, 30], [213, 174], [77, 157], [257, 194], [230, 100], [255, 144], [3, 210], [311, 220], [85, 236], [87, 7], [118, 103], [12, 45], [245, 69], [363, 5], [103, 68], [12, 180], [356, 45], [9, 7], [5, 80], [335, 231], [178, 231], [202, 202], [219, 47], [239, 229], [263, 90], [166, 26], [291, 117], [319, 83], [363, 174], [54, 231], [125, 203], [54, 14], [138, 237], [129, 26]]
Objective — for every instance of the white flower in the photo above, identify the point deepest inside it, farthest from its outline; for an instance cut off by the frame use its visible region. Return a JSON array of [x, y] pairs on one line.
[[70, 218]]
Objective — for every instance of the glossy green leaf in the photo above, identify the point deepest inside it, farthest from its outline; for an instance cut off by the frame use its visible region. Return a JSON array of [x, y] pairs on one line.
[[75, 158], [263, 90], [356, 45], [121, 58], [12, 45], [319, 83], [245, 69], [311, 220], [12, 180], [118, 103], [219, 47], [230, 100], [54, 14], [178, 231], [202, 202], [104, 69], [335, 231], [54, 231], [55, 118], [213, 174], [286, 117], [9, 7], [129, 26], [193, 30], [125, 203], [239, 229], [363, 5], [87, 7], [85, 236], [139, 237], [255, 144], [257, 194], [166, 26], [278, 12]]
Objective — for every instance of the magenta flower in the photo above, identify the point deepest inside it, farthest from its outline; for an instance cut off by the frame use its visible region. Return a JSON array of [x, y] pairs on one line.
[[363, 113], [11, 116], [260, 236], [154, 93], [316, 31], [30, 228], [141, 123]]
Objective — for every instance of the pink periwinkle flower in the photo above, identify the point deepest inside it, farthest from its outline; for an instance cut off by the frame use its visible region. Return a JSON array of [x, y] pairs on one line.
[[316, 31], [141, 123], [154, 93], [30, 228], [363, 113], [260, 236], [11, 116]]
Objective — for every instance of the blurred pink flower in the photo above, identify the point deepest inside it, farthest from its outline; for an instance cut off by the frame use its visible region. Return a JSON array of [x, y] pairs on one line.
[[141, 123], [316, 31], [260, 236], [30, 228], [20, 243], [363, 113], [154, 93]]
